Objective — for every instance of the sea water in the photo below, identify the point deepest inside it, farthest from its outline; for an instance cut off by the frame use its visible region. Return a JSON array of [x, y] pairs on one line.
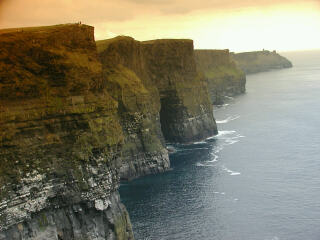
[[259, 178]]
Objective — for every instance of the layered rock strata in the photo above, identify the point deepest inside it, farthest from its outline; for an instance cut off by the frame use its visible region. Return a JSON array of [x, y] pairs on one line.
[[167, 70], [261, 61], [144, 149], [224, 78], [60, 138], [186, 113]]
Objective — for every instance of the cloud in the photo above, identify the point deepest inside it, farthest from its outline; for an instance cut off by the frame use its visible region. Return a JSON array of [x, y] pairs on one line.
[[14, 13], [41, 12], [211, 23], [188, 6]]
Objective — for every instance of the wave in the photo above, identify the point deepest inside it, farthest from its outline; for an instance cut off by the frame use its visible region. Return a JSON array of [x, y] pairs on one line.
[[231, 98], [231, 141], [171, 149], [198, 164], [201, 142], [232, 173], [221, 133], [222, 106], [228, 119], [215, 158]]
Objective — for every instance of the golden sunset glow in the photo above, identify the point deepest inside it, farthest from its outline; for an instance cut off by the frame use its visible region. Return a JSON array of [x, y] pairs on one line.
[[237, 25]]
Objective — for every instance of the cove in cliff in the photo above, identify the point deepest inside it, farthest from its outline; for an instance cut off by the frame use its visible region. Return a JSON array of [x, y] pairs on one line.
[[76, 116], [261, 61]]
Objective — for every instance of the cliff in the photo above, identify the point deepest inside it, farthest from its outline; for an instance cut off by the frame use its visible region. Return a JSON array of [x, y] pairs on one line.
[[261, 61], [60, 136], [144, 149], [167, 69], [75, 119], [223, 76]]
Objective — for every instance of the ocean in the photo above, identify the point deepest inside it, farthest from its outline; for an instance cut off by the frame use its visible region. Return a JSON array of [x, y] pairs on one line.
[[258, 179]]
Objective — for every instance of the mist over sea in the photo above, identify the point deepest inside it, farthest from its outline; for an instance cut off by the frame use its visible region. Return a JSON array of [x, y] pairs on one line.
[[258, 179]]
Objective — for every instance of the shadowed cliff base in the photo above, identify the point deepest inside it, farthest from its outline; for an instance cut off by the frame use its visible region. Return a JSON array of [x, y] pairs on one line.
[[260, 61]]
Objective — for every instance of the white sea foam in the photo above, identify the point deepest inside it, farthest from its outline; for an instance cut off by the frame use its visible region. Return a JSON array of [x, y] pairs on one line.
[[229, 97], [221, 133], [217, 150], [202, 142], [222, 193], [223, 106], [198, 164], [215, 158], [232, 173], [235, 173], [171, 149], [228, 119], [231, 141]]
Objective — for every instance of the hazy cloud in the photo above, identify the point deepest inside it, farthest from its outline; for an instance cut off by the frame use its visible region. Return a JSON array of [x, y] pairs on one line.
[[235, 24], [39, 12], [186, 6]]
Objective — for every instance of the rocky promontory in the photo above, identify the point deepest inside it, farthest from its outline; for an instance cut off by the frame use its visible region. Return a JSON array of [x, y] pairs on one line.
[[224, 78], [261, 61]]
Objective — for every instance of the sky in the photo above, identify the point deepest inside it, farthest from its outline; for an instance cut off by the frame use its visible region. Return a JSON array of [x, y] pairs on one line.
[[238, 25]]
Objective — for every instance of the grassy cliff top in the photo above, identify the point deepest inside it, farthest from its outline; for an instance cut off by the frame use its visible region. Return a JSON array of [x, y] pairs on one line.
[[42, 28], [167, 41], [103, 44], [213, 50], [59, 60]]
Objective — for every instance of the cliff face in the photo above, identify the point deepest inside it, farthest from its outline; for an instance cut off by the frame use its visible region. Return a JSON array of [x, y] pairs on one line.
[[74, 120], [60, 136], [261, 61], [144, 149], [223, 76], [186, 110], [167, 70]]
